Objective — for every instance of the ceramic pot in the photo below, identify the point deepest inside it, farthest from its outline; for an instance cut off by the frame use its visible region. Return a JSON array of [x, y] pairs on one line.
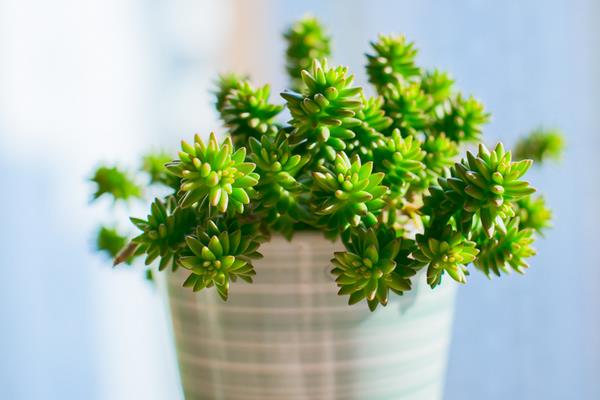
[[289, 336]]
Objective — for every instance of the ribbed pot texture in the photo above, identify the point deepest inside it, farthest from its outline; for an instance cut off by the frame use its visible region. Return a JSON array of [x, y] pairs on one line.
[[289, 336]]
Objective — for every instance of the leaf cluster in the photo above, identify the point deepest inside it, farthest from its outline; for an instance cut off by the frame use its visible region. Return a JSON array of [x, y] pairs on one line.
[[381, 173], [541, 145]]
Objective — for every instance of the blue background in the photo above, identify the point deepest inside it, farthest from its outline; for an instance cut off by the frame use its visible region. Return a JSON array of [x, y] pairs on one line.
[[89, 81]]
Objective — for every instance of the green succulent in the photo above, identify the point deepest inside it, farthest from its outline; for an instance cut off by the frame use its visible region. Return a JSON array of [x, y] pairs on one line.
[[347, 195], [533, 213], [247, 113], [450, 254], [323, 117], [213, 172], [306, 41], [407, 105], [440, 154], [368, 268], [402, 162], [540, 145], [461, 119], [485, 184], [216, 256], [506, 250], [110, 241], [369, 136], [392, 62], [225, 85], [438, 86], [115, 182], [279, 170], [154, 165], [163, 232], [381, 173]]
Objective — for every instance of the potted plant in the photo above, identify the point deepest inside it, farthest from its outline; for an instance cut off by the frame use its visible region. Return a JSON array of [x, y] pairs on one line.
[[363, 196]]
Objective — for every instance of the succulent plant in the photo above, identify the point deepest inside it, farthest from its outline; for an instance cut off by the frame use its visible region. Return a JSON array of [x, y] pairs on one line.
[[382, 174], [323, 116], [347, 195], [402, 162], [533, 213], [214, 173], [407, 105], [461, 119], [163, 232], [225, 85], [247, 113], [369, 134], [451, 254], [217, 256], [307, 41], [440, 155], [392, 62], [438, 86], [116, 183], [154, 165], [368, 268], [279, 170], [507, 250], [485, 184], [110, 241], [540, 145]]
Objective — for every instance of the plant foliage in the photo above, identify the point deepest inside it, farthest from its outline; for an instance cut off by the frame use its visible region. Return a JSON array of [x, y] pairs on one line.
[[306, 41], [540, 145], [110, 241], [116, 183], [218, 255], [214, 173], [372, 265], [381, 173], [247, 113]]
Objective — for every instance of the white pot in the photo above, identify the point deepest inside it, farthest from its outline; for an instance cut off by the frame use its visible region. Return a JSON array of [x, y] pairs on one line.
[[289, 336]]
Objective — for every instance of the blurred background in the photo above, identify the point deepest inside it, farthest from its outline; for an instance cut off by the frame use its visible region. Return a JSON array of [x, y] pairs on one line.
[[106, 80]]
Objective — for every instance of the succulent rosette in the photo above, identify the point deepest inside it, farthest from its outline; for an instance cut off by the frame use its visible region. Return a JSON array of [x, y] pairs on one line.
[[215, 173], [323, 115], [451, 254], [307, 41], [392, 61], [247, 113], [349, 194], [163, 232], [217, 256], [368, 269]]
